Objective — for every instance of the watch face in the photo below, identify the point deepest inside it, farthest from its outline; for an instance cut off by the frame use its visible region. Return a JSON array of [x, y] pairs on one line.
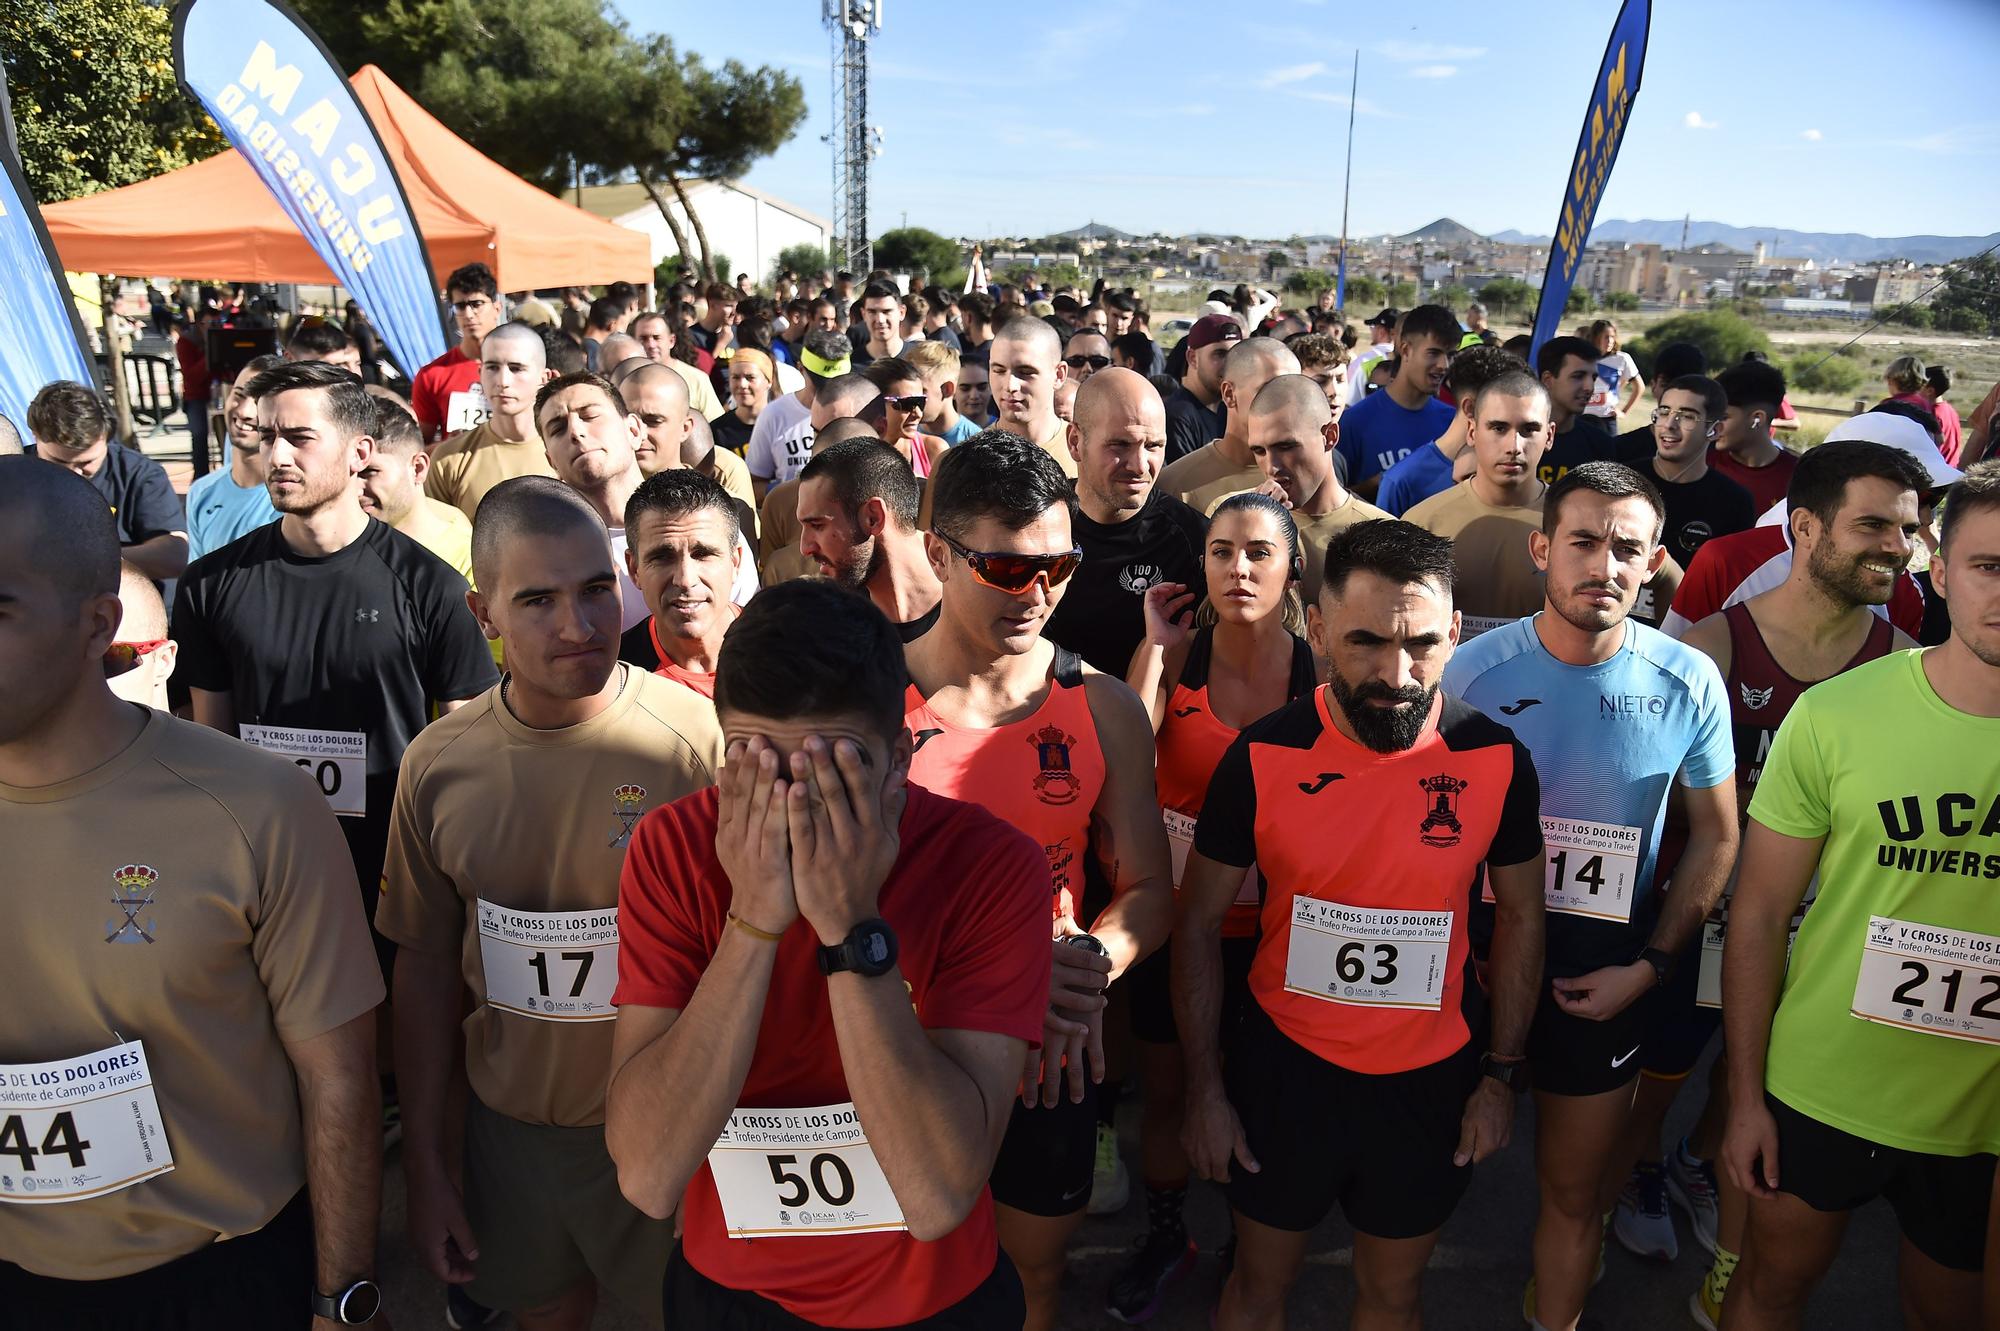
[[875, 948], [360, 1303]]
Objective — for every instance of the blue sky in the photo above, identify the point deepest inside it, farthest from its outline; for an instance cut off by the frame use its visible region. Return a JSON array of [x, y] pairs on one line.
[[1033, 116]]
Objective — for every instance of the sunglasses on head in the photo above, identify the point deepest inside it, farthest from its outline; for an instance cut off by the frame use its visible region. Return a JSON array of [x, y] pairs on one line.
[[1094, 362], [123, 657], [1012, 573], [905, 404]]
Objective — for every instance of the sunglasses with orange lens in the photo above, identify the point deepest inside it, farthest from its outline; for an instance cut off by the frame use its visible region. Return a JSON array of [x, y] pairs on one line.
[[123, 657], [1012, 573]]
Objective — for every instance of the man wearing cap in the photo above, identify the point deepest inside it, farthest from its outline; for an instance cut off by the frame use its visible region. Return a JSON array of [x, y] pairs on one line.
[[1728, 569], [1382, 334], [1194, 410], [782, 439]]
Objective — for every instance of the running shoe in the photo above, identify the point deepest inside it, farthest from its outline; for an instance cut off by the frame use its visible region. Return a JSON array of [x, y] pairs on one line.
[[462, 1314], [1691, 1185], [1642, 1220], [1111, 1183], [1158, 1260]]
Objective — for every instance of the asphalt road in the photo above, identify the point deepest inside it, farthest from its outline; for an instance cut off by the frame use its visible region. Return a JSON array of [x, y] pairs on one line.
[[1474, 1283]]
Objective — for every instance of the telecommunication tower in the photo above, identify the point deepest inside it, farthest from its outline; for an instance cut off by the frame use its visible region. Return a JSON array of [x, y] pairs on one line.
[[855, 141]]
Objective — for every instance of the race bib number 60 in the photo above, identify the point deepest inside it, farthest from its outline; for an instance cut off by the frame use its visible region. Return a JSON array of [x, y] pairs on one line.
[[336, 759], [791, 1173], [79, 1127], [1931, 979]]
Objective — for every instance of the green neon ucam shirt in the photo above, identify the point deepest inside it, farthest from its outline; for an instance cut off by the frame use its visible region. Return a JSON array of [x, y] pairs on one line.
[[1889, 1023]]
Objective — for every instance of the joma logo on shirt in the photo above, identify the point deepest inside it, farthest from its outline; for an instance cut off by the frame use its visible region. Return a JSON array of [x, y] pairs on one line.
[[1903, 820]]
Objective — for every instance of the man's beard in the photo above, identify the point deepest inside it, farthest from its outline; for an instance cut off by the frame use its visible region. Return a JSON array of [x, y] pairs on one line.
[[1385, 730], [864, 556], [1591, 618], [1841, 578]]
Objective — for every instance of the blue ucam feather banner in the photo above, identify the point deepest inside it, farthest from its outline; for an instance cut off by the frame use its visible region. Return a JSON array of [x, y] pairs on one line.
[[41, 339], [283, 102], [1596, 150]]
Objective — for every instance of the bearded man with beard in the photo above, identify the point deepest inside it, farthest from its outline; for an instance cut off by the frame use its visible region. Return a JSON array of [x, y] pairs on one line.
[[858, 503]]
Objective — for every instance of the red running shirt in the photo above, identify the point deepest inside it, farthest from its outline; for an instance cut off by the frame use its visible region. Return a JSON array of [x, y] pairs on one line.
[[1041, 774], [966, 899]]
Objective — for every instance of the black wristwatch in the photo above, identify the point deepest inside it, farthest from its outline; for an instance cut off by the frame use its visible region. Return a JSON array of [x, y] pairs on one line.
[[1513, 1074], [1661, 961], [356, 1305], [1088, 943], [869, 949]]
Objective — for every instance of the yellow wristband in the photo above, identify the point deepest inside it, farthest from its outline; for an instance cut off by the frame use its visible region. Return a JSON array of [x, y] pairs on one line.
[[764, 934]]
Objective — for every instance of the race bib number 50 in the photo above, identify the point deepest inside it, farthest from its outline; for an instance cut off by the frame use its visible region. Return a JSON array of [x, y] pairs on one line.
[[798, 1172], [554, 965], [1367, 957], [1926, 978], [79, 1127]]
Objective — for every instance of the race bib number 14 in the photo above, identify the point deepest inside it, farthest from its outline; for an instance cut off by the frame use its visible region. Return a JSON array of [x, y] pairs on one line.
[[1931, 979], [794, 1173], [1591, 868], [79, 1127]]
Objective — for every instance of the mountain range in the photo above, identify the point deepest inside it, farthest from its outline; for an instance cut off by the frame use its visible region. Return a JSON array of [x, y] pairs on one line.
[[1820, 246]]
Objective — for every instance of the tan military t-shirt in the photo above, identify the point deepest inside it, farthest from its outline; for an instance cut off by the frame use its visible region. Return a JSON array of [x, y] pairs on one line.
[[778, 524], [1206, 476], [701, 393], [467, 465], [194, 896], [502, 836], [1314, 529], [786, 564], [733, 475], [1057, 447], [1497, 580]]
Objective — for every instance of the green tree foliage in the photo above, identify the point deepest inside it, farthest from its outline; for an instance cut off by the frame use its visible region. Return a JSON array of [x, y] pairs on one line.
[[1308, 282], [95, 101], [1834, 374], [1969, 301], [910, 249], [1723, 336], [1507, 296], [1275, 261], [799, 260], [1622, 301], [1579, 301], [1402, 294], [1452, 296], [1365, 290]]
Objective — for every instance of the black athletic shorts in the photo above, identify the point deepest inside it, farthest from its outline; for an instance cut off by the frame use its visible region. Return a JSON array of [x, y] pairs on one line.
[[693, 1302], [1576, 1056], [1381, 1146], [1940, 1201], [1048, 1155], [1677, 1028], [261, 1279], [1152, 991]]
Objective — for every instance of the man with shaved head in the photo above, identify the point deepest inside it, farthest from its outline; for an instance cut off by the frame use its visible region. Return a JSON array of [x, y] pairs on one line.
[[1224, 466], [513, 366], [677, 437], [1133, 533], [1024, 365], [616, 350], [1086, 352], [141, 661], [1292, 436], [857, 513], [523, 913], [150, 852]]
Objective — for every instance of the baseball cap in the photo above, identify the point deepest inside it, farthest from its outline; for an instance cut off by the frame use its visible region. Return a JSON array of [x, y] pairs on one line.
[[1211, 328], [1388, 316], [1883, 427]]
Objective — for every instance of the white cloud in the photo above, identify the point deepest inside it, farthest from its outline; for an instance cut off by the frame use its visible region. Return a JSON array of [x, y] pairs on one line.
[[1410, 52], [1293, 74], [1433, 71], [1811, 135], [1693, 120]]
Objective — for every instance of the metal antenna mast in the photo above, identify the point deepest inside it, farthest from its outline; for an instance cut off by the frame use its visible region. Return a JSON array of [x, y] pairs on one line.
[[854, 140]]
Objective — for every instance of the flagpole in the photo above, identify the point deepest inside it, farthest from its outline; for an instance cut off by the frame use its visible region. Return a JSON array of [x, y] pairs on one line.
[[1346, 190]]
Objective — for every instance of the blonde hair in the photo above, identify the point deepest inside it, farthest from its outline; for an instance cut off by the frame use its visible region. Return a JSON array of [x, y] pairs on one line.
[[760, 359], [1905, 374], [931, 357]]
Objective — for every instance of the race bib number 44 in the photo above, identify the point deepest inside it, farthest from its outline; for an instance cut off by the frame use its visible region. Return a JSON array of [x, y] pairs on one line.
[[557, 965], [336, 759], [1590, 869], [1366, 957], [1927, 978], [792, 1173], [79, 1127]]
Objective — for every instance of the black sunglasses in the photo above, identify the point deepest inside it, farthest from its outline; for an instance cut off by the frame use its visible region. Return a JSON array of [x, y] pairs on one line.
[[1012, 573], [1094, 362], [906, 404]]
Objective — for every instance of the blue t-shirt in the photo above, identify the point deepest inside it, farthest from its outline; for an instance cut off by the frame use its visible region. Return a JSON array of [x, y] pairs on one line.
[[219, 511], [1606, 739], [1425, 472], [960, 432], [1376, 433]]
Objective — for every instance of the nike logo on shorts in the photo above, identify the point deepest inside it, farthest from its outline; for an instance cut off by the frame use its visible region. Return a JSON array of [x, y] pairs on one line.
[[1621, 1062]]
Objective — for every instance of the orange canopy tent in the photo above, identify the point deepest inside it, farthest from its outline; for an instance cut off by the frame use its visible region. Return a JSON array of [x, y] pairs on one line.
[[216, 220]]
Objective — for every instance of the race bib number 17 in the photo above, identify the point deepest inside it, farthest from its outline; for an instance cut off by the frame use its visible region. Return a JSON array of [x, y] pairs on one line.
[[79, 1127], [1931, 979], [553, 965], [794, 1173]]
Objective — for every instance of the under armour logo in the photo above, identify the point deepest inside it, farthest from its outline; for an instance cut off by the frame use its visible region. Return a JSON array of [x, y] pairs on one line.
[[1325, 779], [367, 616], [924, 737], [1520, 705]]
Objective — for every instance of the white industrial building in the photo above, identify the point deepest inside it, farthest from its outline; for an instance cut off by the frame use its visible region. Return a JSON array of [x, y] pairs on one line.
[[744, 223]]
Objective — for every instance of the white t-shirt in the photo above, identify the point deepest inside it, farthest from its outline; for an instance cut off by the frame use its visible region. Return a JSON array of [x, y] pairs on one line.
[[1613, 373], [634, 601], [781, 441]]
